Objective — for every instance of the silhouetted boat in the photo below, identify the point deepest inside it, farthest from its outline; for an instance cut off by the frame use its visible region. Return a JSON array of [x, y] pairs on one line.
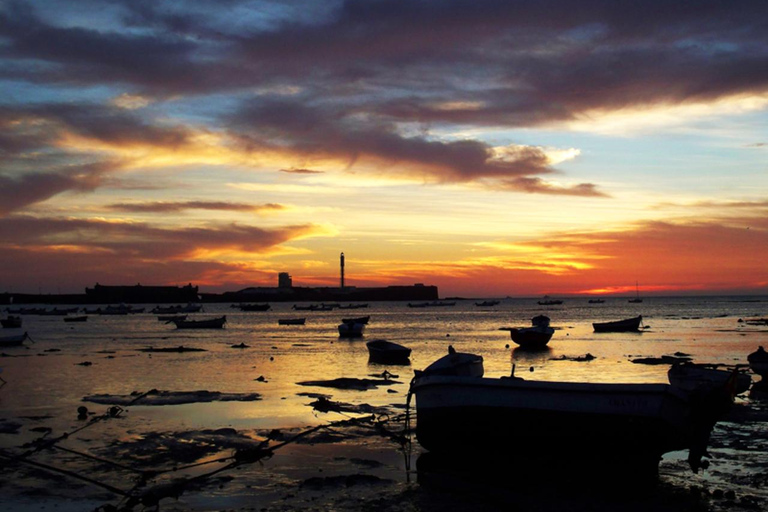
[[758, 362], [549, 302], [703, 377], [358, 320], [608, 425], [209, 323], [535, 337], [254, 307], [433, 304], [351, 329], [386, 352], [171, 318], [353, 306], [637, 298], [487, 303], [627, 325], [13, 341], [291, 321], [596, 301], [75, 318], [11, 322]]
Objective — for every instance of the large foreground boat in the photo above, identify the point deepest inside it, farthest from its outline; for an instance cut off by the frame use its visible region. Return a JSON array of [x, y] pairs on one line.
[[626, 325], [608, 425]]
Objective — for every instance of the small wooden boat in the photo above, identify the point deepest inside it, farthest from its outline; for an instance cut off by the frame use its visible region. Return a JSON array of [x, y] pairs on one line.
[[596, 301], [170, 318], [75, 318], [627, 325], [291, 321], [351, 330], [702, 377], [386, 352], [758, 362], [11, 322], [353, 306], [209, 323], [254, 307], [358, 320], [433, 304], [535, 337], [487, 303], [602, 425], [546, 301], [14, 341]]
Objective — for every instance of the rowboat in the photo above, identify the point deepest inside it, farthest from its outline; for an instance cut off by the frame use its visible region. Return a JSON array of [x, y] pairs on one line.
[[351, 330], [487, 303], [291, 321], [693, 377], [386, 352], [606, 425], [11, 322], [14, 341], [758, 362], [535, 337], [358, 320], [254, 307], [210, 323], [627, 325]]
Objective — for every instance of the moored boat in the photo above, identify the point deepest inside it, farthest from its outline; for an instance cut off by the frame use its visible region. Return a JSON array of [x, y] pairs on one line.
[[758, 362], [387, 352], [627, 425], [291, 321], [626, 325], [698, 377], [358, 320], [535, 337], [14, 341], [11, 322], [351, 329], [487, 303], [209, 323], [254, 307]]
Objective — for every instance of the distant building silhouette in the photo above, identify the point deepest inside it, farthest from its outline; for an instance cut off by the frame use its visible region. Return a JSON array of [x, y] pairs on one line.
[[284, 280]]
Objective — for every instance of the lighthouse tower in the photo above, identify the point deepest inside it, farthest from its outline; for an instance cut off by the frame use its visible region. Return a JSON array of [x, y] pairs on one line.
[[341, 260]]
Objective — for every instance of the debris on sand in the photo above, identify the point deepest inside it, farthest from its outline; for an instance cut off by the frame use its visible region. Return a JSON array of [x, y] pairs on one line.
[[160, 397], [662, 360], [325, 405], [343, 481], [579, 359], [180, 348], [241, 345], [84, 363], [350, 383]]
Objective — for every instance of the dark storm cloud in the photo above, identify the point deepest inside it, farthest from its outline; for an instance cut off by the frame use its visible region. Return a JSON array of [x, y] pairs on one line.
[[141, 240]]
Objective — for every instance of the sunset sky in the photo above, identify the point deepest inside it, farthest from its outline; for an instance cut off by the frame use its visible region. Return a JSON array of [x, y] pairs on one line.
[[490, 148]]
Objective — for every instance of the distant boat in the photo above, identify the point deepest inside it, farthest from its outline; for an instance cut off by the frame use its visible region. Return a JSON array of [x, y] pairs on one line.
[[386, 352], [254, 307], [433, 304], [14, 341], [637, 298], [358, 320], [351, 330], [353, 306], [596, 301], [487, 303], [702, 377], [11, 322], [535, 337], [758, 362], [210, 323], [627, 325], [546, 301], [75, 318], [622, 426], [291, 321]]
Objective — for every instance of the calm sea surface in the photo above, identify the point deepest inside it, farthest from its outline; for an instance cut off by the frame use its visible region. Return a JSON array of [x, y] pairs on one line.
[[44, 378]]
